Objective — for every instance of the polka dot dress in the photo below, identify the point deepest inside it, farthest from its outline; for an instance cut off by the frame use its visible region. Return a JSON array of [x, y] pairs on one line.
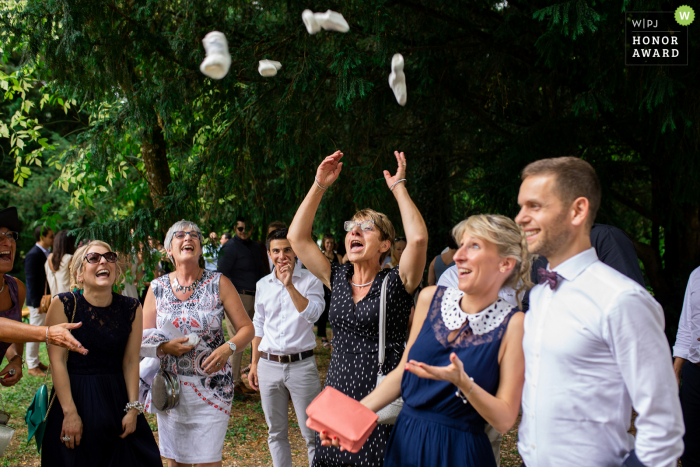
[[353, 368]]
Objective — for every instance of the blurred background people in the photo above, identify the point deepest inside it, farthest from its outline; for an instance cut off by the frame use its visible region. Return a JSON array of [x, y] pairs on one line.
[[57, 265], [396, 251], [441, 262], [328, 247], [37, 287]]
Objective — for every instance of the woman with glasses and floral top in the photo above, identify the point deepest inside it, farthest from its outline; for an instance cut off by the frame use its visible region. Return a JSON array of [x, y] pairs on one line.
[[355, 295], [96, 418], [194, 300]]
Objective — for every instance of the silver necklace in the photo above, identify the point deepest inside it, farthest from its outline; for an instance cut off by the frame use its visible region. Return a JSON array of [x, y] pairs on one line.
[[362, 285], [184, 289]]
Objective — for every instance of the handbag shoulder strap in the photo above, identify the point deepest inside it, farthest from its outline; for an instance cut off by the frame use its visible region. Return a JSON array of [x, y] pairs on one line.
[[382, 323]]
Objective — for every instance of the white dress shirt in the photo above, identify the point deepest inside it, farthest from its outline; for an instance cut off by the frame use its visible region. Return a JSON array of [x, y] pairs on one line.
[[283, 329], [594, 348], [450, 278], [687, 344]]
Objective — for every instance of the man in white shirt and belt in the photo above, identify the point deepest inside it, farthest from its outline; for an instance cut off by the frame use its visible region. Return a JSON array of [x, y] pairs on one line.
[[686, 363], [594, 343], [287, 304]]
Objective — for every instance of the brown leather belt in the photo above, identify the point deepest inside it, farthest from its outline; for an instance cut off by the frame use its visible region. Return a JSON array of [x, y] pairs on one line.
[[287, 358], [247, 292]]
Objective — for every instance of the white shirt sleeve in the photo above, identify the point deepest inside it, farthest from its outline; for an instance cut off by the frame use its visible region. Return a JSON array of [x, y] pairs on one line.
[[314, 293], [686, 342], [634, 330], [259, 317], [449, 278]]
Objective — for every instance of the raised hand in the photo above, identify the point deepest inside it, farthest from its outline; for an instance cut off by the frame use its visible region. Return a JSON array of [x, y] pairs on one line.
[[400, 171], [329, 170], [286, 272], [452, 373]]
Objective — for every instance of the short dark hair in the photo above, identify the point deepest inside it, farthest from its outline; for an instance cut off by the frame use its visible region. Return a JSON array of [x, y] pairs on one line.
[[276, 225], [226, 235], [451, 242], [279, 234], [575, 178], [41, 231], [241, 219]]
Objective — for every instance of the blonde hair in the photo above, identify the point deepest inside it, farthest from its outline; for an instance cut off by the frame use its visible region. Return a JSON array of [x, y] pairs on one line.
[[394, 255], [510, 240], [77, 264], [382, 223]]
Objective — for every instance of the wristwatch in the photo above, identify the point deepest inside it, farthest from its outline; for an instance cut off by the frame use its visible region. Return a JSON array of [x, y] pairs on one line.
[[232, 346]]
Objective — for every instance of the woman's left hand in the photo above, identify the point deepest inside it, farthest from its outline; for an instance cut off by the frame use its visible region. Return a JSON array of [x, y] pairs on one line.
[[217, 359], [400, 171], [129, 423], [7, 379], [453, 373]]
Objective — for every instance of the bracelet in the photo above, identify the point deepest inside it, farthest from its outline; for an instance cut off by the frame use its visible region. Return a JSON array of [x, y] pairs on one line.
[[464, 397], [16, 355], [324, 188], [135, 405], [47, 336], [392, 186]]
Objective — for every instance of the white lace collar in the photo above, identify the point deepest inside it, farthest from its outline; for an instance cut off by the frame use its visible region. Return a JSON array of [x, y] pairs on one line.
[[482, 322]]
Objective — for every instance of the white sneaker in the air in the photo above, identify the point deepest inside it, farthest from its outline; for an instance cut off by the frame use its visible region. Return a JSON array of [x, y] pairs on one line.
[[310, 22], [218, 60], [330, 21], [397, 79], [268, 68]]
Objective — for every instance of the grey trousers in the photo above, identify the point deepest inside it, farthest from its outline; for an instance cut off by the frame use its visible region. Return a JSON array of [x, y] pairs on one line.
[[249, 305], [495, 438], [279, 381]]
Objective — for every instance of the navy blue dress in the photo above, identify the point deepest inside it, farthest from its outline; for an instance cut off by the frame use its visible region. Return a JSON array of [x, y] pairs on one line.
[[99, 392], [435, 427]]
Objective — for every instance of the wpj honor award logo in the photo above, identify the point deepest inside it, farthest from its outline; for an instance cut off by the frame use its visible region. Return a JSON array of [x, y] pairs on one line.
[[657, 37]]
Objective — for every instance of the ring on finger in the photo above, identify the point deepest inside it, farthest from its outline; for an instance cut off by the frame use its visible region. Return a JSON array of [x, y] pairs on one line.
[[65, 439]]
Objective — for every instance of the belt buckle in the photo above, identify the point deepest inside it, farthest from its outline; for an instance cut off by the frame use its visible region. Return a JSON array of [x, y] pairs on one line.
[[288, 358]]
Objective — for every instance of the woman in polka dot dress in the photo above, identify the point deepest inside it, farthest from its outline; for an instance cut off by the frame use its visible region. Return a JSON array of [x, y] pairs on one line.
[[355, 295]]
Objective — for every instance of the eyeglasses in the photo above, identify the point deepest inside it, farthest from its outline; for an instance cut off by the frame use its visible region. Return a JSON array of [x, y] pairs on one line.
[[364, 225], [180, 234], [10, 235], [240, 229], [92, 258]]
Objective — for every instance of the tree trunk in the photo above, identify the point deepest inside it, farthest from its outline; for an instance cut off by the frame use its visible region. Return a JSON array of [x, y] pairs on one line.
[[155, 158]]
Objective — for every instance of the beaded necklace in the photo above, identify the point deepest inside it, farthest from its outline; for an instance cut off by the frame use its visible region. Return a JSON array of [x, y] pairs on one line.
[[184, 289]]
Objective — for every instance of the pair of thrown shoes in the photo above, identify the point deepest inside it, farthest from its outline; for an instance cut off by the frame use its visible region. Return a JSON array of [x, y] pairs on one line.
[[330, 21]]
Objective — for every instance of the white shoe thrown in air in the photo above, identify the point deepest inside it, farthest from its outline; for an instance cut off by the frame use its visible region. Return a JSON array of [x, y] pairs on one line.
[[397, 79], [330, 21], [268, 68], [218, 60], [310, 22]]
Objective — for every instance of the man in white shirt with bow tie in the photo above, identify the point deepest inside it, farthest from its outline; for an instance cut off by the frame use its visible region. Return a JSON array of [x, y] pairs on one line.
[[594, 340], [288, 302]]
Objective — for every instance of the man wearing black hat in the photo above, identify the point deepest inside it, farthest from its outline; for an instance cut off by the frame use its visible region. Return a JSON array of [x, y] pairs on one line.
[[35, 275], [12, 295]]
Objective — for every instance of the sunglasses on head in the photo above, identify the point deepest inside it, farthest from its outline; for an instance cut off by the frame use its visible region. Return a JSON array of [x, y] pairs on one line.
[[399, 239], [364, 225], [14, 236], [180, 234], [92, 258]]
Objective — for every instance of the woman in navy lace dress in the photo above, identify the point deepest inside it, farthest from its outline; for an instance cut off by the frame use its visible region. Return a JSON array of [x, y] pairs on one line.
[[464, 356], [96, 419], [355, 295]]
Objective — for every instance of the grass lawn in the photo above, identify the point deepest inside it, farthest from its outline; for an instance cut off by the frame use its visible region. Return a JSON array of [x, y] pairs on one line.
[[246, 440]]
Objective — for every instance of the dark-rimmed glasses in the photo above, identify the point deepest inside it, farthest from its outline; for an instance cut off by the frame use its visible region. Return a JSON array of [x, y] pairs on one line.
[[364, 225], [14, 236], [92, 258], [194, 235]]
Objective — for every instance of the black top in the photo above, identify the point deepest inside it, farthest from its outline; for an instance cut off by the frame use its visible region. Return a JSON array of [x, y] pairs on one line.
[[241, 262], [35, 275], [105, 332]]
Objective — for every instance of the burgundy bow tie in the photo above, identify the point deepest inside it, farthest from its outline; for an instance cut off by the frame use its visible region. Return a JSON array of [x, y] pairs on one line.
[[550, 277]]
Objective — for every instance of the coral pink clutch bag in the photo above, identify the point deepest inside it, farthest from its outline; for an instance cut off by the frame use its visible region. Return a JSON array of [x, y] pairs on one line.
[[341, 416]]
